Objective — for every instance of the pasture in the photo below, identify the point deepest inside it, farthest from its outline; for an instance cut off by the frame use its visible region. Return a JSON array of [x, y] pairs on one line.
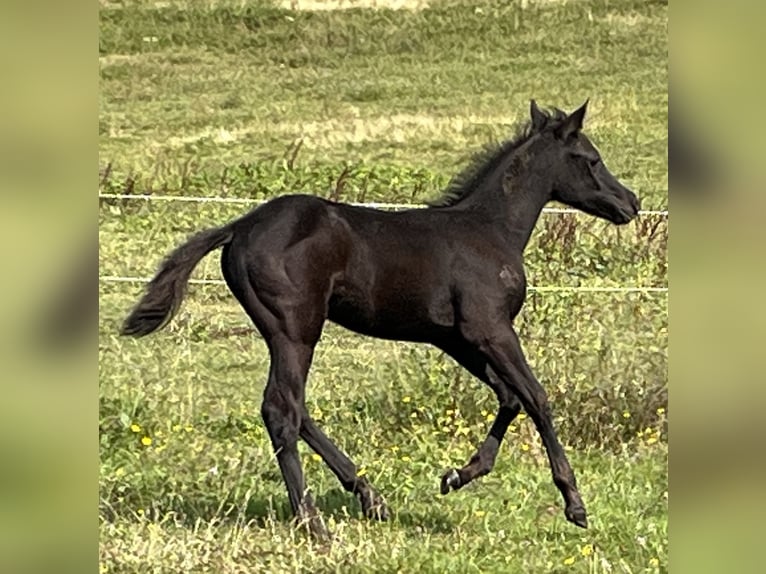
[[242, 101]]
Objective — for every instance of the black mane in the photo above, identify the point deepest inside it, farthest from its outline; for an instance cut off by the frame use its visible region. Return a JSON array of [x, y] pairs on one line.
[[484, 162]]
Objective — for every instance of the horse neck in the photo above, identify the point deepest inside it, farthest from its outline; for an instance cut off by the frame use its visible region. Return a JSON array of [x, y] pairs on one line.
[[511, 201], [525, 198]]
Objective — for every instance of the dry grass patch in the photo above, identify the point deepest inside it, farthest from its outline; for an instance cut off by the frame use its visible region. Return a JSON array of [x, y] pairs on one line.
[[346, 4], [394, 128], [398, 128]]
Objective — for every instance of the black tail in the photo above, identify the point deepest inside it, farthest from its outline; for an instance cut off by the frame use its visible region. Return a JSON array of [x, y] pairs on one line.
[[166, 291]]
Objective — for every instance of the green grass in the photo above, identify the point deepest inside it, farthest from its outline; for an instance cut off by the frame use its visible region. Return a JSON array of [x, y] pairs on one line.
[[195, 390], [212, 107], [387, 87]]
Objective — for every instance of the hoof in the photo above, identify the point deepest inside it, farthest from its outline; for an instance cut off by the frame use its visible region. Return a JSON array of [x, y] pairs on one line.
[[318, 530], [576, 515], [374, 507], [450, 481], [312, 521], [378, 512]]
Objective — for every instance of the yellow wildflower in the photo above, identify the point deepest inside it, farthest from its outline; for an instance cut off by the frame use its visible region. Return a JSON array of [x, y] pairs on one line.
[[651, 440], [626, 415], [146, 441], [522, 416], [406, 458], [176, 428], [406, 399], [479, 513], [119, 472], [361, 472], [660, 411], [315, 457], [569, 561], [188, 428], [654, 563], [524, 447], [586, 550], [135, 428]]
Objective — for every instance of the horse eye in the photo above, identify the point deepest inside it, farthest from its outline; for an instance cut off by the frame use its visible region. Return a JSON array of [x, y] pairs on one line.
[[594, 161]]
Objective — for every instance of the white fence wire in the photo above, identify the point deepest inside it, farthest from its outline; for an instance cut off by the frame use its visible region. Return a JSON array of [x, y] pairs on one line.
[[555, 288], [374, 205]]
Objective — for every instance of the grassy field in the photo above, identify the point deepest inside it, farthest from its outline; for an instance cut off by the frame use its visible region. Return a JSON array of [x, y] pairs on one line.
[[246, 101]]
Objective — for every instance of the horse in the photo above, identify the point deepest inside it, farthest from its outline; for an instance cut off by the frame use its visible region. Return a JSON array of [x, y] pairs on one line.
[[450, 274]]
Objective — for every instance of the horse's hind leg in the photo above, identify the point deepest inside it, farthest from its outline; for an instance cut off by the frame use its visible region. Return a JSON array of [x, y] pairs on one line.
[[286, 298], [372, 503], [282, 412]]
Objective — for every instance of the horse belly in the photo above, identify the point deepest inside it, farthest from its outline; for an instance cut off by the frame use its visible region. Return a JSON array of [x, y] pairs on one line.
[[351, 312], [400, 317]]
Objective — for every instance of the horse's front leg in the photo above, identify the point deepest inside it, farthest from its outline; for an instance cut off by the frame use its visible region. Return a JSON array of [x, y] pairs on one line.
[[501, 348], [483, 460]]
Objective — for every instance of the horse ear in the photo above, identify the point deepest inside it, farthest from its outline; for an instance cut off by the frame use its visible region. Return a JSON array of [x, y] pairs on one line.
[[538, 117], [573, 123]]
